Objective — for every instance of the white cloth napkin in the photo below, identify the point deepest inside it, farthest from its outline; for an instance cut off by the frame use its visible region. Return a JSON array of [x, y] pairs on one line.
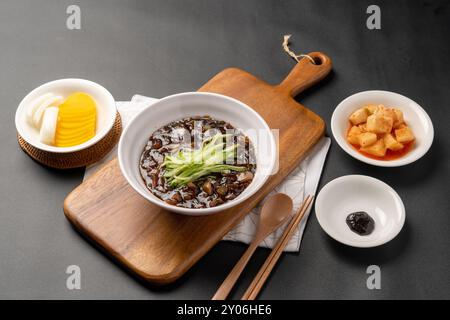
[[301, 182]]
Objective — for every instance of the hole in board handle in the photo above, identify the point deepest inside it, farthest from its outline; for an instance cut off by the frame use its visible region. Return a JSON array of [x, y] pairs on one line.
[[317, 60]]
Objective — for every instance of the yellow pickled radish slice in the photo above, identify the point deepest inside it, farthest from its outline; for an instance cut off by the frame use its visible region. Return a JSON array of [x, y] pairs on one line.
[[48, 127], [71, 140], [69, 143], [78, 101], [78, 133], [79, 136], [71, 128], [74, 139], [82, 113], [76, 120], [71, 125]]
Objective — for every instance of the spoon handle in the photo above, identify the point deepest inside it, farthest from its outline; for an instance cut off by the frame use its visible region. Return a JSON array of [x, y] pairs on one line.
[[272, 259], [234, 275]]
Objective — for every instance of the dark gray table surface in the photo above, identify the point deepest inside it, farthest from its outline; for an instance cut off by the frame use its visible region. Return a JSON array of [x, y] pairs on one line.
[[157, 48]]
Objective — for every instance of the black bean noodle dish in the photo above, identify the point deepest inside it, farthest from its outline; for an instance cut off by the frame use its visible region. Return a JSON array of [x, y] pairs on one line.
[[198, 162]]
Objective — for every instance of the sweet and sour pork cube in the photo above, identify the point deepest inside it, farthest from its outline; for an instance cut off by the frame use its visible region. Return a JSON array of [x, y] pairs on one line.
[[377, 129], [379, 123], [399, 120], [395, 114], [363, 127], [404, 135], [372, 108], [382, 110], [359, 116], [367, 138], [377, 149], [391, 143], [353, 134]]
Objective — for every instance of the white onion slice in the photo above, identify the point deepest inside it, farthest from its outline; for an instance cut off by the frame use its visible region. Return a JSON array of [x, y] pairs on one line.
[[34, 105], [38, 114], [48, 128]]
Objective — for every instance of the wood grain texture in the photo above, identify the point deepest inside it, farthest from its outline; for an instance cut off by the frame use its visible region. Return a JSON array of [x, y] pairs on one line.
[[160, 246]]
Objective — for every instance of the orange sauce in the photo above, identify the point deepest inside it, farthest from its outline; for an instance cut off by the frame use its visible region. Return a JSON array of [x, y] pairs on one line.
[[390, 155]]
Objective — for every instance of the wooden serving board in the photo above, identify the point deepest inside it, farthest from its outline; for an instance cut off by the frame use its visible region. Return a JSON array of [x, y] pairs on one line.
[[161, 246]]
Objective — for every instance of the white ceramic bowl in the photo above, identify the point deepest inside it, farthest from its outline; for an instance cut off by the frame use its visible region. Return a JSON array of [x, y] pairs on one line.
[[352, 193], [178, 106], [106, 111], [415, 116]]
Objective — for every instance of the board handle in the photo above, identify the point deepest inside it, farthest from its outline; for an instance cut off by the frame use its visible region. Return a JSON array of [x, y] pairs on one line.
[[306, 74]]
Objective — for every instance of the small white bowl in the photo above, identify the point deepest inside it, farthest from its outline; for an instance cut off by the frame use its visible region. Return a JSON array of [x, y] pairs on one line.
[[178, 106], [352, 193], [106, 112], [415, 117]]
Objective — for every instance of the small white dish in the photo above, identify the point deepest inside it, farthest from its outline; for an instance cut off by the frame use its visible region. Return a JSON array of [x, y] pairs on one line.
[[106, 112], [352, 193], [415, 117], [188, 104]]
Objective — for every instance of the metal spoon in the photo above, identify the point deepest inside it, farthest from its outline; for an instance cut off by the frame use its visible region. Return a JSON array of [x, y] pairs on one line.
[[273, 213]]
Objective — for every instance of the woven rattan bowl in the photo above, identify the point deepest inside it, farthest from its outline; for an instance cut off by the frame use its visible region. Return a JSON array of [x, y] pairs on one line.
[[107, 132]]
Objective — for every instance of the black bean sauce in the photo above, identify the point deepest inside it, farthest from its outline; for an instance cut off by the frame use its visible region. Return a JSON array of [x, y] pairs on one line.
[[361, 223], [209, 191]]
